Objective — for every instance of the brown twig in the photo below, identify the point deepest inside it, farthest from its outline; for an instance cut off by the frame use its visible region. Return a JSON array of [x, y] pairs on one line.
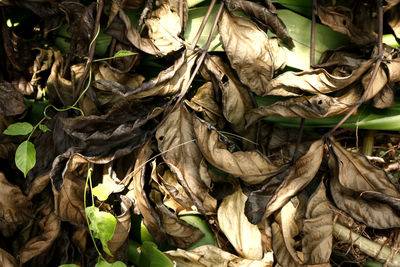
[[374, 72], [203, 24], [312, 46], [299, 137], [91, 52]]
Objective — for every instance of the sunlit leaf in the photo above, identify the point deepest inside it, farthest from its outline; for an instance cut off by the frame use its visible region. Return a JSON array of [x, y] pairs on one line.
[[19, 128], [25, 157], [102, 263], [102, 191]]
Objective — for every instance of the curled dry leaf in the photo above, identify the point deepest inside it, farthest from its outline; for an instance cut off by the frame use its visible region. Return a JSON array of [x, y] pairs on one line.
[[317, 228], [14, 205], [267, 16], [283, 233], [11, 101], [317, 81], [254, 56], [165, 25], [6, 259], [209, 255], [168, 82], [385, 97], [352, 174], [244, 236], [393, 19], [251, 166], [300, 175], [175, 139], [50, 226], [178, 232]]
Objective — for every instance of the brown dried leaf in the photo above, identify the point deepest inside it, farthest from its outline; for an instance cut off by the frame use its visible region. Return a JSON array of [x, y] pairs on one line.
[[385, 97], [267, 16], [14, 205], [175, 139], [244, 236], [251, 166], [301, 174], [378, 83], [317, 81], [253, 55], [11, 101], [317, 228], [283, 233], [393, 19], [165, 26], [178, 232], [168, 82], [6, 259], [209, 255], [50, 226]]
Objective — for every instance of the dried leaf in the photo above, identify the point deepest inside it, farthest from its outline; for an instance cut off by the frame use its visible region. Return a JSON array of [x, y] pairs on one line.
[[209, 255], [251, 166], [6, 259], [14, 205], [266, 15], [317, 228], [378, 83], [317, 81], [165, 26], [11, 101], [393, 19], [168, 82], [244, 236], [175, 139], [384, 98], [301, 174], [253, 55], [50, 226]]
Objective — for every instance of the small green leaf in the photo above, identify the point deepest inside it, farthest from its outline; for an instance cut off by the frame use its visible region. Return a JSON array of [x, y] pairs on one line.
[[102, 224], [151, 256], [114, 264], [69, 265], [44, 128], [124, 53], [102, 191], [25, 157], [19, 128]]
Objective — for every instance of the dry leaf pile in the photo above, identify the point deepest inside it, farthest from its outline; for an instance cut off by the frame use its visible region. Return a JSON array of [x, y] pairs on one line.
[[188, 139]]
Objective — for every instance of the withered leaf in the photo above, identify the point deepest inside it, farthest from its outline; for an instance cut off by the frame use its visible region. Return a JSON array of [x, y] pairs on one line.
[[11, 101], [244, 236], [384, 98], [50, 226], [165, 25], [175, 139], [317, 228], [251, 166], [209, 255], [168, 82], [317, 81], [6, 259], [178, 232], [283, 233], [14, 205], [253, 55], [301, 174], [393, 19], [265, 15]]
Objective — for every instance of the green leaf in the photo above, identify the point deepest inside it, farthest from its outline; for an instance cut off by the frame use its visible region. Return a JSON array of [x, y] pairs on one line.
[[102, 191], [114, 264], [152, 257], [69, 265], [19, 128], [196, 221], [303, 7], [124, 53], [102, 224], [25, 157], [44, 128]]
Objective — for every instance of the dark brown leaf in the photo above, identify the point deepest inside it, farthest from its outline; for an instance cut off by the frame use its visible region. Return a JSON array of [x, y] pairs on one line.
[[6, 259], [11, 101]]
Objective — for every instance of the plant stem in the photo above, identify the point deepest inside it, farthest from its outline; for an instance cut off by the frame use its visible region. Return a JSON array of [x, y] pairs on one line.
[[203, 24]]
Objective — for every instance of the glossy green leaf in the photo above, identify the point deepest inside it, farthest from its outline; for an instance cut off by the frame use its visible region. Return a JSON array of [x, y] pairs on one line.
[[152, 257], [196, 221], [102, 224], [19, 128], [102, 191], [69, 265], [303, 7], [114, 264], [44, 128], [133, 252], [25, 157]]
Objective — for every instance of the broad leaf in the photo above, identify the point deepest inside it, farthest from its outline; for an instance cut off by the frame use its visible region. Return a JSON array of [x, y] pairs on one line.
[[244, 236], [19, 128], [25, 157], [106, 264], [102, 224], [199, 223], [102, 191], [151, 256]]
